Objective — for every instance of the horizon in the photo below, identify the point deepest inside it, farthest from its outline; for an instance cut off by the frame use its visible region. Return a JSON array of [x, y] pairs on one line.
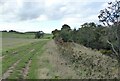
[[46, 15], [8, 31]]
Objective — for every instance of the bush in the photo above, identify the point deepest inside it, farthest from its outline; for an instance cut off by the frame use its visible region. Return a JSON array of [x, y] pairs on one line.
[[39, 34], [106, 52]]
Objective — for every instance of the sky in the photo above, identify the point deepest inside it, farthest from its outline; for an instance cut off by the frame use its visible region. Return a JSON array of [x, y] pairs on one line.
[[47, 15]]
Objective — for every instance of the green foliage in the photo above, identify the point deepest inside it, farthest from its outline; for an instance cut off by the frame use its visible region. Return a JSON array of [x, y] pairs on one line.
[[89, 35], [66, 27], [64, 33], [55, 33], [107, 52], [39, 34], [108, 16], [86, 35]]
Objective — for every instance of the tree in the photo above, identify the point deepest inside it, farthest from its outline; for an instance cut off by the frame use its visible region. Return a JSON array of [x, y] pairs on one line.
[[65, 33], [56, 36], [110, 16], [87, 34], [66, 27], [39, 34], [4, 31]]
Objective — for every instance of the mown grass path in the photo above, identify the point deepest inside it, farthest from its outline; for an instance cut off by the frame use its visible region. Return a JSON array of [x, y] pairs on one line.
[[24, 54]]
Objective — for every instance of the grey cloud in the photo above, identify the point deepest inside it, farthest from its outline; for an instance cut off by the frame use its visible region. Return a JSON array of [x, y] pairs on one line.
[[30, 10], [71, 9], [54, 12]]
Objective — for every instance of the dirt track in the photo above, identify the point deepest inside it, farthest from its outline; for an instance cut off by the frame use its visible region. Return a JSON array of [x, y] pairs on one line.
[[52, 65]]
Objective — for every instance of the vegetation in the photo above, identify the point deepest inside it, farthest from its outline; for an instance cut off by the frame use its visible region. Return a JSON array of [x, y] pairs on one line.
[[11, 43], [92, 51], [39, 34], [105, 38], [88, 63], [26, 35], [109, 15], [89, 35], [95, 36], [18, 35], [17, 51]]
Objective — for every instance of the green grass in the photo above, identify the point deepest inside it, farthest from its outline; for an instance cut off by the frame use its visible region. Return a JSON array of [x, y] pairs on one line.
[[10, 43], [48, 36], [23, 36], [17, 35], [17, 47], [34, 65], [24, 55], [13, 40], [11, 58]]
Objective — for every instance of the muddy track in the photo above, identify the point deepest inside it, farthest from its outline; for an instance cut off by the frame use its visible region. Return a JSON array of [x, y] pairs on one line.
[[10, 70]]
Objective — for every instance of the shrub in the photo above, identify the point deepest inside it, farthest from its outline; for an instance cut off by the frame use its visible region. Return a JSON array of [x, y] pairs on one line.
[[106, 52]]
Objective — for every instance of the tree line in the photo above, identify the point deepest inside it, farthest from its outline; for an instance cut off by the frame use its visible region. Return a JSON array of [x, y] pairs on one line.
[[38, 34], [105, 38], [89, 35]]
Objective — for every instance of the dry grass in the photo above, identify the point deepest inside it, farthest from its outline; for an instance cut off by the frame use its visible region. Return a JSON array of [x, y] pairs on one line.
[[89, 63], [53, 66]]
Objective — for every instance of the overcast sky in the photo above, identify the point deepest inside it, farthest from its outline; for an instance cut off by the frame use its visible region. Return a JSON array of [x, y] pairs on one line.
[[47, 15]]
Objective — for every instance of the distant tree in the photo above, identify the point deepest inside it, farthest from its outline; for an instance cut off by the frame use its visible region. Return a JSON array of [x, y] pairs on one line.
[[12, 31], [55, 33], [91, 24], [110, 16], [4, 31], [39, 34], [66, 27], [64, 33]]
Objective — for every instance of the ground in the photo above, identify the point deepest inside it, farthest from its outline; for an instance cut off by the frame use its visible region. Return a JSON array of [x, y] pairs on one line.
[[44, 59], [55, 65], [52, 65]]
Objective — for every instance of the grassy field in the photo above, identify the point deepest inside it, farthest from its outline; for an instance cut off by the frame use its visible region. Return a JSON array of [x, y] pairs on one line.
[[10, 43], [17, 35], [26, 58], [13, 40], [26, 35], [22, 54], [19, 53]]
